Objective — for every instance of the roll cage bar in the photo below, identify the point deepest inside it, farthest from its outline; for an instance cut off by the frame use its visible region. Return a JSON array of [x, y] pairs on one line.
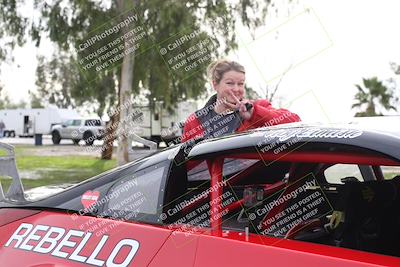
[[215, 167]]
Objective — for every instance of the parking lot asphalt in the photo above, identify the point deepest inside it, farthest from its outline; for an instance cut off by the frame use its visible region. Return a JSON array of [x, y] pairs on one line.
[[67, 148]]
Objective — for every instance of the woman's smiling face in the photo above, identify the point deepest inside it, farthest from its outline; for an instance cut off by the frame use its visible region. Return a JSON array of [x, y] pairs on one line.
[[232, 82]]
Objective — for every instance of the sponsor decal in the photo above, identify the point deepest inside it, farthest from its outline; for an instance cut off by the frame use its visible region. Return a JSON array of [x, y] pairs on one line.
[[53, 240], [89, 198], [286, 134]]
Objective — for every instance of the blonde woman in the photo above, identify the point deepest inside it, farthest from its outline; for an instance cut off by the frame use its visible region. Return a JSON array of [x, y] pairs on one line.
[[228, 111]]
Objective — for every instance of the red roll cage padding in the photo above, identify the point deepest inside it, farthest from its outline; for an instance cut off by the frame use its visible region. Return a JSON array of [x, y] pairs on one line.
[[269, 188], [216, 193], [234, 206], [322, 157], [233, 180]]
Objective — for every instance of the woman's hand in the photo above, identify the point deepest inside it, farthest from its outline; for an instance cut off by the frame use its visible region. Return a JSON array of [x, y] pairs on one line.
[[240, 105]]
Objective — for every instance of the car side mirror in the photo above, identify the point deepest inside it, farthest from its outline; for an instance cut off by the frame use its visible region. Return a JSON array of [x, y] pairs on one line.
[[63, 125]]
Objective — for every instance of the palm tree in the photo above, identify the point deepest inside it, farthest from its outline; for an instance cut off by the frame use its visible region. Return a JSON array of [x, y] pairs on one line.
[[374, 92]]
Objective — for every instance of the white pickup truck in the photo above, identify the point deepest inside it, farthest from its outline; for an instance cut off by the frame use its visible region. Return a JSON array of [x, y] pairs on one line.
[[86, 129]]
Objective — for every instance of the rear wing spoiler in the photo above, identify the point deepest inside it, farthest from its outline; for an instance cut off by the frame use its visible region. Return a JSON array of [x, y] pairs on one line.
[[8, 167]]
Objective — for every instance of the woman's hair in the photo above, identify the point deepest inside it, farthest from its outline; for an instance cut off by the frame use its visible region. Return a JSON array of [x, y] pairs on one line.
[[217, 69]]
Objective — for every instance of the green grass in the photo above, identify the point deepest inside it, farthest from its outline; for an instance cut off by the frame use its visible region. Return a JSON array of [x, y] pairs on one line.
[[389, 176], [63, 163], [45, 170], [2, 153]]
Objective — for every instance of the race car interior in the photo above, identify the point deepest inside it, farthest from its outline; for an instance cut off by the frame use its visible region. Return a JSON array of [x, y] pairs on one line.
[[337, 195]]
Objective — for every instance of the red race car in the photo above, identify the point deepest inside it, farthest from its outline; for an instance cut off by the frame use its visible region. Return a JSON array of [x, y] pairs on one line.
[[290, 195]]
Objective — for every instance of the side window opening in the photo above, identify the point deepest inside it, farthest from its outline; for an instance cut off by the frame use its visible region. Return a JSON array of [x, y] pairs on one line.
[[335, 173], [138, 196], [319, 202], [68, 123], [390, 172], [193, 206], [76, 123]]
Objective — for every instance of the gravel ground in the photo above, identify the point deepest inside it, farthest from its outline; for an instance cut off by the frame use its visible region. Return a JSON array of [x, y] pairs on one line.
[[66, 148]]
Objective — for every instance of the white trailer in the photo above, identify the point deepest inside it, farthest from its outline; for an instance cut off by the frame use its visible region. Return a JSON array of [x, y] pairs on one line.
[[160, 124], [28, 122]]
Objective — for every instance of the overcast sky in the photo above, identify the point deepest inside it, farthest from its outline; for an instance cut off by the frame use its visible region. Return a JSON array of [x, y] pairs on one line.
[[330, 46]]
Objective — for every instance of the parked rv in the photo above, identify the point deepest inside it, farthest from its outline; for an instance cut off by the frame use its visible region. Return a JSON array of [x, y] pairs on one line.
[[160, 124], [28, 122]]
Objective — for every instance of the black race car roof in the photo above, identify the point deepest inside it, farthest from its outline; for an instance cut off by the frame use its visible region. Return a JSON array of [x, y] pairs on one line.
[[386, 141]]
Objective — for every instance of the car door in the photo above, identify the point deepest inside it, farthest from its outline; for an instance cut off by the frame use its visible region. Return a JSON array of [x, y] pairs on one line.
[[65, 129], [110, 221], [74, 131], [283, 203]]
